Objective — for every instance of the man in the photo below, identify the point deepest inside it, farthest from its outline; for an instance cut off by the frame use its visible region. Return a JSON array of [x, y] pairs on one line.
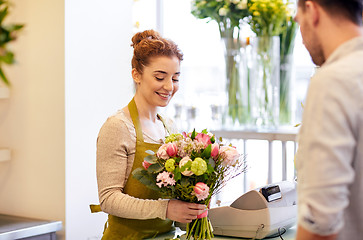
[[330, 154]]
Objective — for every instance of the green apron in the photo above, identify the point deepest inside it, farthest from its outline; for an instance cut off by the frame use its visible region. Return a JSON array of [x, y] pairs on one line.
[[123, 228]]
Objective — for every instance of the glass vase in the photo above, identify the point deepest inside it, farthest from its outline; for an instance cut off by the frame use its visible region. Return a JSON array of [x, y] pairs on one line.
[[237, 111], [286, 114], [265, 81]]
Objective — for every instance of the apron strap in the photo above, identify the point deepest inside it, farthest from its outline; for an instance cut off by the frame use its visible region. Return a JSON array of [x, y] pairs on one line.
[[135, 119], [166, 126], [95, 208]]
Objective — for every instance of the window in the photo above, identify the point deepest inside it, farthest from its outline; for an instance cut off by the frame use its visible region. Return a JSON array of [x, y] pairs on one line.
[[203, 79]]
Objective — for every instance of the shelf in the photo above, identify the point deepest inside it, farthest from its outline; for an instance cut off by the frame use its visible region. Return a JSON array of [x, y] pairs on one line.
[[4, 92], [13, 227], [5, 154]]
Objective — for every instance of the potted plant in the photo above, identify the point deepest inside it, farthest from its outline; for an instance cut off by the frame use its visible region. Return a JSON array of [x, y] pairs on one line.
[[8, 33]]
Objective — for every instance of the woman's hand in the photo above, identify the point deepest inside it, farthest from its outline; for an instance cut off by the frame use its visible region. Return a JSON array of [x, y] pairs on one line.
[[184, 212]]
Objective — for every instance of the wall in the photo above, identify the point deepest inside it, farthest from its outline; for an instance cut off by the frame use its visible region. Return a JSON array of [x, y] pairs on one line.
[[73, 71], [98, 83], [32, 120]]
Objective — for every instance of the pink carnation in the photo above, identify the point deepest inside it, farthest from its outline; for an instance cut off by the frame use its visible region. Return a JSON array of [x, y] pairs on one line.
[[201, 191], [146, 164], [203, 138], [164, 179], [229, 155], [162, 153]]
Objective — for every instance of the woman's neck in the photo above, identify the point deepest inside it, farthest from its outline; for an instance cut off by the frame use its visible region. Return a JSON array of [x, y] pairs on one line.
[[145, 111]]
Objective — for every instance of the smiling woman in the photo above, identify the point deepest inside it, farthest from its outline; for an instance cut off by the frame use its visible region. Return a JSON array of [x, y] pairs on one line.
[[136, 212]]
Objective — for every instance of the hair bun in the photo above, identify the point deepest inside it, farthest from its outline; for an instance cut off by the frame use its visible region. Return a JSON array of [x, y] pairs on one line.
[[147, 34]]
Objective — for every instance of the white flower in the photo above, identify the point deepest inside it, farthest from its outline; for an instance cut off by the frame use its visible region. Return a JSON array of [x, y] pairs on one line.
[[229, 155], [235, 1], [182, 162], [242, 5], [223, 11]]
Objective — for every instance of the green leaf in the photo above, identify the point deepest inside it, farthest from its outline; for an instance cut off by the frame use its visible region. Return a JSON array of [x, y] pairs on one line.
[[8, 58], [150, 152], [145, 178], [177, 176], [185, 182], [151, 159], [4, 78], [3, 14], [207, 152], [155, 168], [204, 131], [193, 134]]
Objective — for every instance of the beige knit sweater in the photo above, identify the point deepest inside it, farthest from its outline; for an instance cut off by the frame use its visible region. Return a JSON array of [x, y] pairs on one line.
[[115, 156]]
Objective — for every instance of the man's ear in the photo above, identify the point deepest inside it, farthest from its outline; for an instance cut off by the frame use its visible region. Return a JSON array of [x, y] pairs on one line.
[[135, 75], [313, 9]]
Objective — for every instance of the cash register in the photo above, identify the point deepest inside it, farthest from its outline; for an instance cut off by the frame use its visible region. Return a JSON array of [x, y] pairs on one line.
[[259, 213]]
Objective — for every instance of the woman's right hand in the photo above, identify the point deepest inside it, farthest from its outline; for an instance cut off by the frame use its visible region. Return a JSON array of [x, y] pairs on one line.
[[184, 212]]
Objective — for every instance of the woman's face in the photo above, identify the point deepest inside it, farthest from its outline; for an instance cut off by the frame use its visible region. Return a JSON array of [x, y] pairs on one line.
[[159, 81]]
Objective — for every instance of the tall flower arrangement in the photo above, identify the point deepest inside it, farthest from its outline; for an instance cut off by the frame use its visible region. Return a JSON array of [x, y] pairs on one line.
[[228, 14], [267, 21], [7, 34], [191, 167]]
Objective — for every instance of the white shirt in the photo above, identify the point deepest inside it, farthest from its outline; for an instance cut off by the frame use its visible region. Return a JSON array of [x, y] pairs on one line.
[[329, 160]]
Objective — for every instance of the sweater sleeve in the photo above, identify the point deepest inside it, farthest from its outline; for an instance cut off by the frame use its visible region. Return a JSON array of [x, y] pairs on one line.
[[115, 157]]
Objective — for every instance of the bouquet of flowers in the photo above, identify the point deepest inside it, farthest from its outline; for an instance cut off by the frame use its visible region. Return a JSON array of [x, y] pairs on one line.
[[191, 167]]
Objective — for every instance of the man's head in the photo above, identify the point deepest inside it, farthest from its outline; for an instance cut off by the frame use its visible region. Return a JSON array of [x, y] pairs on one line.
[[349, 9], [320, 17]]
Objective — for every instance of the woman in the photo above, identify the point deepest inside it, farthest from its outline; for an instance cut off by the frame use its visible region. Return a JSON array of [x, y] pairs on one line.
[[135, 211]]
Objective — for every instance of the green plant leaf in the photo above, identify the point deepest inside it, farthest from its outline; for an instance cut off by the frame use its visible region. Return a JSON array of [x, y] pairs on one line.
[[185, 182], [150, 152], [4, 78], [193, 134], [3, 12], [155, 168], [151, 159], [207, 152], [177, 176]]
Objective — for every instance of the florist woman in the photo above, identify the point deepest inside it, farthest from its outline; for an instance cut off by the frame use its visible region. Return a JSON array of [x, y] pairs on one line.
[[135, 211]]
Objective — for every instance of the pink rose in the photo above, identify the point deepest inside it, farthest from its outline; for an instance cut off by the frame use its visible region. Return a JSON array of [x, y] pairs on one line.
[[162, 152], [146, 164], [182, 162], [203, 138], [229, 155], [171, 149], [215, 150], [201, 191]]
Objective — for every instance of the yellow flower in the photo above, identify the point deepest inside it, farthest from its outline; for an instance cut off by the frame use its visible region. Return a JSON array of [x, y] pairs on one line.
[[199, 166], [170, 165], [256, 13]]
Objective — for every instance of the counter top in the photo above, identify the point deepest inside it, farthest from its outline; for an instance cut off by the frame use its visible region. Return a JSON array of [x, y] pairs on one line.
[[288, 235], [12, 227]]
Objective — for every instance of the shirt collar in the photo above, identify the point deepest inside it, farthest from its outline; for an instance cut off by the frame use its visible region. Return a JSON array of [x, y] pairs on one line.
[[345, 49]]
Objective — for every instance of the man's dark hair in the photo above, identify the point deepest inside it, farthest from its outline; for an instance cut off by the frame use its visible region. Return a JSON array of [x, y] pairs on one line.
[[349, 9]]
